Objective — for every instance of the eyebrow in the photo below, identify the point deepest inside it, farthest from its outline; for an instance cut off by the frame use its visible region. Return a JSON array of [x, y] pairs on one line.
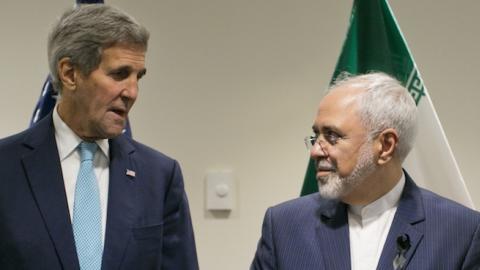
[[130, 69], [327, 127]]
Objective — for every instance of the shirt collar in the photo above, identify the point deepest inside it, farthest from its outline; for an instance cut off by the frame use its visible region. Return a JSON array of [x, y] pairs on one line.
[[67, 140], [384, 203]]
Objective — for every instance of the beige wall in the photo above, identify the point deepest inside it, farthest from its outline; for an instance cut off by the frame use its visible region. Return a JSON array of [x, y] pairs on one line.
[[234, 85]]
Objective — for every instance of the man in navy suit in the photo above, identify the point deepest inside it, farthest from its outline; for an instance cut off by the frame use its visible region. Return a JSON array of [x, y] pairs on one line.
[[368, 214], [96, 56]]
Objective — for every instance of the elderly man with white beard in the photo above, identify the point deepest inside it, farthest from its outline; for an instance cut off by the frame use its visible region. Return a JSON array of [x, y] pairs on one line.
[[368, 213]]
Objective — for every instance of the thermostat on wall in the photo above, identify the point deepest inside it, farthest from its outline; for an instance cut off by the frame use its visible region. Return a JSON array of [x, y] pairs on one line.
[[220, 189]]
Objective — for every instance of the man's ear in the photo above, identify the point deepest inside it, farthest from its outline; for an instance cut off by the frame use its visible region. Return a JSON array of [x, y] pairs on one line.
[[388, 140], [66, 74]]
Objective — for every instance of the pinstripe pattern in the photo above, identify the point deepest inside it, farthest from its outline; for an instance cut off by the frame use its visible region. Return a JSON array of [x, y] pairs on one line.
[[312, 233]]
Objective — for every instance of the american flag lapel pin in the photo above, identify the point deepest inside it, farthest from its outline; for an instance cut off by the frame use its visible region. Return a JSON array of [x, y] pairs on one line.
[[130, 173]]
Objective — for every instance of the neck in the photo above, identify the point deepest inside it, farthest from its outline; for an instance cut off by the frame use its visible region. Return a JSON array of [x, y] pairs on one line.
[[68, 118]]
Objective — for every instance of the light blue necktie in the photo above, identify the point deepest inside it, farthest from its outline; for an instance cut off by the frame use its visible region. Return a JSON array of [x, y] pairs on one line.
[[87, 214]]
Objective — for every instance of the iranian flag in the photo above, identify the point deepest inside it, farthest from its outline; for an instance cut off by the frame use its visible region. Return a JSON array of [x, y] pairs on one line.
[[374, 42]]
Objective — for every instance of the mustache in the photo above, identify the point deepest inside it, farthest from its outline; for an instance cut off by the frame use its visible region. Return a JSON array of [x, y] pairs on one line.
[[324, 165]]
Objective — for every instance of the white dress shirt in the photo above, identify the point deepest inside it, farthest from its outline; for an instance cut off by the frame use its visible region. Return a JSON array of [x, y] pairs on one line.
[[67, 142], [369, 226]]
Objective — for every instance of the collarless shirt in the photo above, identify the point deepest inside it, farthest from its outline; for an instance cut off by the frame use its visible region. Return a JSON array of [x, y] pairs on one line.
[[369, 226], [67, 142]]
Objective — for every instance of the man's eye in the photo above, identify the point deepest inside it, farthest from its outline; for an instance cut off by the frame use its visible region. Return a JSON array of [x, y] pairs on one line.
[[141, 74], [119, 74], [332, 137]]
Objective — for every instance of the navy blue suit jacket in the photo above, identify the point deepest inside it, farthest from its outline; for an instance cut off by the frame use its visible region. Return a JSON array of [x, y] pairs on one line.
[[148, 220], [312, 233]]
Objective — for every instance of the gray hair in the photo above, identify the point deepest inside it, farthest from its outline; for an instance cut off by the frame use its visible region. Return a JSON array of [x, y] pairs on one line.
[[83, 32], [384, 103]]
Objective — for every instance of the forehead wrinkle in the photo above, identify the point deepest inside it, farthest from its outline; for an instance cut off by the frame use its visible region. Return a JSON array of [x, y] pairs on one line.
[[341, 100], [121, 54], [338, 109]]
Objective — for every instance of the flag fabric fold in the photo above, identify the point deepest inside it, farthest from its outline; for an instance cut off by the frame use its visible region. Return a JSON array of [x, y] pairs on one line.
[[45, 102], [374, 42]]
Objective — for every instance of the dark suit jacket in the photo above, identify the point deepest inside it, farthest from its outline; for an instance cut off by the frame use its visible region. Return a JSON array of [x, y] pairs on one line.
[[312, 233], [148, 219]]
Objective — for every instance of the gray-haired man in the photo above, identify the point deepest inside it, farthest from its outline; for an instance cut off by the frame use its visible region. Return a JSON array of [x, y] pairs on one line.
[[368, 214], [74, 192]]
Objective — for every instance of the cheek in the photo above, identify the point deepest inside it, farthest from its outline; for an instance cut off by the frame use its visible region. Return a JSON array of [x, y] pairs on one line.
[[345, 161], [104, 98], [97, 109]]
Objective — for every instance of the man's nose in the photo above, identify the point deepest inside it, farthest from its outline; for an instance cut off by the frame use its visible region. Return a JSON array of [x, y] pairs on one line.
[[319, 149], [131, 88]]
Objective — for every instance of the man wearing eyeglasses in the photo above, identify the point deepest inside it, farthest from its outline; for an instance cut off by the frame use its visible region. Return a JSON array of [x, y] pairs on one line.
[[368, 213]]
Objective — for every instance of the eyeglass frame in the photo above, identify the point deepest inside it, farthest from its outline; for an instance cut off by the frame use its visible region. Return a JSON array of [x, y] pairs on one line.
[[311, 140]]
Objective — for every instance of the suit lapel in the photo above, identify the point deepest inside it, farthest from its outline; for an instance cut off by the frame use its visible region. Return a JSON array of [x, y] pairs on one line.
[[43, 171], [333, 235], [408, 220], [121, 202]]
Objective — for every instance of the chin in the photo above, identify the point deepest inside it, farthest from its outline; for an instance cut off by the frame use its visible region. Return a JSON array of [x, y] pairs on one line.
[[331, 186], [110, 133], [112, 130], [115, 134]]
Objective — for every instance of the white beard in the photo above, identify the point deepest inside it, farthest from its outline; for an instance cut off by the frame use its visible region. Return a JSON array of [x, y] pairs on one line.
[[333, 186]]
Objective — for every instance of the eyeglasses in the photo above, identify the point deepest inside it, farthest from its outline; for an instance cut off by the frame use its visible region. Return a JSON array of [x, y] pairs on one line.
[[328, 139], [311, 140]]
